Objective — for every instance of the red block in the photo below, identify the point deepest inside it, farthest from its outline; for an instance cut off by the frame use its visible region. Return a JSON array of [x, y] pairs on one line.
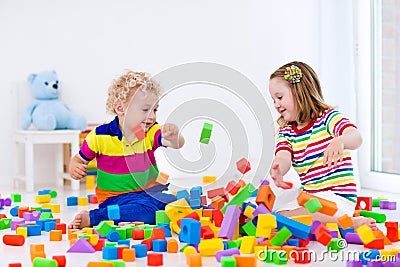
[[154, 259], [364, 203], [300, 255], [377, 243], [61, 260], [217, 217], [192, 215], [322, 235], [120, 249], [303, 243], [100, 244], [243, 165], [138, 132], [158, 233], [232, 187], [215, 192], [206, 232], [14, 265], [2, 216], [392, 231], [62, 227], [93, 200], [148, 242], [138, 234]]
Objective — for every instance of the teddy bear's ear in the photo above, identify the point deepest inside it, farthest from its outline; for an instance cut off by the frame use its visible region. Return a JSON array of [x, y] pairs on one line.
[[32, 77]]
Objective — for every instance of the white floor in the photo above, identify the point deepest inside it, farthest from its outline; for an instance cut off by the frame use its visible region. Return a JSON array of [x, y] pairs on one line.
[[10, 254]]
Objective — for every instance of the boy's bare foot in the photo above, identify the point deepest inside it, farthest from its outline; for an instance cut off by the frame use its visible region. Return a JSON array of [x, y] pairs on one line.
[[81, 220], [360, 220]]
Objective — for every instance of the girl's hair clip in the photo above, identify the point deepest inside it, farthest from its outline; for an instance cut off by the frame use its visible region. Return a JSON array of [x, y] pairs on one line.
[[293, 74]]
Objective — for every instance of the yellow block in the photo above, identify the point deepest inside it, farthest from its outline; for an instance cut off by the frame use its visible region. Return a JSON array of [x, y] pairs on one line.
[[248, 244], [83, 201], [305, 219], [366, 234], [334, 226], [259, 252], [43, 199], [22, 231], [175, 227], [90, 181], [387, 255], [55, 208], [209, 179], [178, 209], [265, 223], [206, 221], [189, 250], [210, 247], [93, 239], [235, 234], [248, 212], [88, 230]]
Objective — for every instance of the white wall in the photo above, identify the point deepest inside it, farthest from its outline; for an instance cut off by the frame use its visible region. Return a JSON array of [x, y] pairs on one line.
[[91, 42]]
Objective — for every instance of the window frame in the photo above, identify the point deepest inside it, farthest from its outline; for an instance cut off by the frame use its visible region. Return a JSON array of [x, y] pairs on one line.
[[368, 86]]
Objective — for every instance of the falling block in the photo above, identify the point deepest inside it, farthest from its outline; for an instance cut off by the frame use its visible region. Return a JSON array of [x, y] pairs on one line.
[[365, 233], [206, 133], [328, 207], [178, 209], [345, 221], [138, 131], [265, 196], [162, 178], [229, 222], [210, 247], [240, 197], [243, 165], [232, 187], [280, 238], [209, 179], [313, 205], [364, 203]]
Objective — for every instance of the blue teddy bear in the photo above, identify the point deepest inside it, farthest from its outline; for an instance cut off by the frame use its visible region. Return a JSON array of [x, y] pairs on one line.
[[47, 112]]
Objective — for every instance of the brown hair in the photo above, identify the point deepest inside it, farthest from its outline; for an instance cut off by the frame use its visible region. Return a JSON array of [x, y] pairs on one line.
[[307, 93], [127, 84]]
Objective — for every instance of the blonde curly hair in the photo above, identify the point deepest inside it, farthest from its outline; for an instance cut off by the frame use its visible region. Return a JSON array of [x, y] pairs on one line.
[[126, 85]]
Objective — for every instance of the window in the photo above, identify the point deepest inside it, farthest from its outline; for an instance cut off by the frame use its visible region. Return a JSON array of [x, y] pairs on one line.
[[377, 39]]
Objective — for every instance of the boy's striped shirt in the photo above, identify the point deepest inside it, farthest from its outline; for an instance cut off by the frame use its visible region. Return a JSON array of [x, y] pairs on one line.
[[307, 147]]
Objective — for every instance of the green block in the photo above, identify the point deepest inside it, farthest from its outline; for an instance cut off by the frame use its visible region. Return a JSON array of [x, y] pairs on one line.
[[117, 263], [313, 205], [129, 232], [249, 228], [46, 215], [111, 244], [16, 197], [377, 201], [122, 233], [206, 133], [147, 233], [268, 255], [53, 194], [279, 257], [42, 262], [241, 196], [103, 228], [235, 243], [336, 244], [5, 223], [280, 238], [85, 236], [161, 217], [379, 217], [36, 209], [228, 261]]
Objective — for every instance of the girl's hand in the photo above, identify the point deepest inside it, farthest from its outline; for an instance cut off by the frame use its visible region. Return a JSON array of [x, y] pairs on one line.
[[77, 168], [170, 132], [334, 152], [277, 176]]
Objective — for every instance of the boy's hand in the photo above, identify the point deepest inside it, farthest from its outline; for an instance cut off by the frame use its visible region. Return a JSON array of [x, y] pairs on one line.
[[277, 176], [334, 152], [77, 168], [171, 136]]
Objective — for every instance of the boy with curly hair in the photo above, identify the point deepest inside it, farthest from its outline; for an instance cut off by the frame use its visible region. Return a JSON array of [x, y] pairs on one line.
[[127, 169]]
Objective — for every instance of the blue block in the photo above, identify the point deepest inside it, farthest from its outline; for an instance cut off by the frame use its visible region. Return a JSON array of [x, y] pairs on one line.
[[113, 212], [49, 225], [245, 204], [124, 242], [183, 194], [140, 250], [45, 210], [42, 223], [113, 236], [299, 230], [159, 245], [167, 229], [196, 192], [369, 255], [14, 211], [195, 203], [254, 194], [72, 201], [225, 242], [44, 192], [293, 242], [110, 253], [190, 231], [344, 232], [33, 230]]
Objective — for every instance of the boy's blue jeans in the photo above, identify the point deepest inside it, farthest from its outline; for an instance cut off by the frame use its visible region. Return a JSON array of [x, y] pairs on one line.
[[135, 206]]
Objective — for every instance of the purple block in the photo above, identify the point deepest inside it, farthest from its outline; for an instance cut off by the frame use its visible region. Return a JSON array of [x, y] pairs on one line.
[[261, 239], [264, 182], [334, 234], [16, 221], [374, 264], [7, 202], [392, 205], [315, 224], [353, 238], [32, 216], [227, 252], [354, 264], [383, 204], [229, 223], [261, 209], [1, 202]]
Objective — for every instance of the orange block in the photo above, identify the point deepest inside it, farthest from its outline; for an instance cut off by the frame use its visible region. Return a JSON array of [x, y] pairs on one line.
[[37, 250], [328, 207], [242, 183], [265, 196], [128, 255], [245, 260], [345, 221], [217, 202], [356, 213], [194, 260], [55, 235], [207, 213], [172, 246], [100, 264], [379, 234]]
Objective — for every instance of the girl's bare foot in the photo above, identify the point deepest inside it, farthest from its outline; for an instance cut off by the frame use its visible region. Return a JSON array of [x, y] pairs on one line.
[[81, 220], [360, 220]]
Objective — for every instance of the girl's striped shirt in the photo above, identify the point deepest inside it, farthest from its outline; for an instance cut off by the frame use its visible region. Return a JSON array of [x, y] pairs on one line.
[[307, 147]]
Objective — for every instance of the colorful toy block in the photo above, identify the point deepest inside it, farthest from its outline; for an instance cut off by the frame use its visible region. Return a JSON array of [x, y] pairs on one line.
[[37, 250], [22, 231], [128, 255], [266, 197], [229, 222], [217, 202], [245, 260], [306, 219], [243, 165], [298, 229], [61, 260], [392, 231], [209, 179], [83, 201], [280, 238], [206, 133], [364, 203], [72, 201], [194, 260], [13, 240], [248, 244], [154, 259], [41, 262], [172, 246], [353, 238], [140, 250], [365, 233], [55, 235], [138, 131], [43, 199], [225, 253], [90, 181], [190, 231], [322, 235], [241, 196], [113, 236], [232, 187], [210, 247], [355, 263], [328, 207], [302, 255], [379, 217], [159, 245], [178, 209], [187, 250], [110, 253], [265, 223], [313, 205], [99, 264], [113, 212], [228, 261], [377, 243], [81, 246], [16, 197], [162, 178], [345, 221]]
